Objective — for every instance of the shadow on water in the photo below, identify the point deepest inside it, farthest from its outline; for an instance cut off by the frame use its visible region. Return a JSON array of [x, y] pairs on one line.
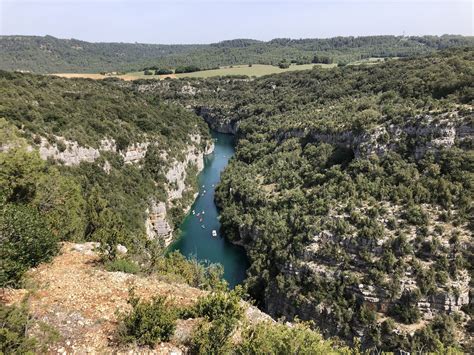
[[196, 238]]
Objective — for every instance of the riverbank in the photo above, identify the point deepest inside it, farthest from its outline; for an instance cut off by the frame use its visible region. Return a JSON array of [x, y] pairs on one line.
[[196, 238]]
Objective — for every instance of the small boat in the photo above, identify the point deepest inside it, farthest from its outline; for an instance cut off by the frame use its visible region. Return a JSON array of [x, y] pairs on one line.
[[194, 212], [200, 219], [203, 212], [214, 233], [198, 215], [203, 186], [203, 226]]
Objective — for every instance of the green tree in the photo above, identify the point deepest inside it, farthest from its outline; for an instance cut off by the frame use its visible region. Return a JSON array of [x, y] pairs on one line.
[[19, 171], [25, 241], [59, 199]]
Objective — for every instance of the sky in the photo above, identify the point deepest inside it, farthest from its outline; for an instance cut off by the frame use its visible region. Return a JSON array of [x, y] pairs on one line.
[[207, 21]]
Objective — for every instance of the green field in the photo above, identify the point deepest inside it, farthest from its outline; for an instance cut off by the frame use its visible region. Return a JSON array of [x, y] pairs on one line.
[[254, 70]]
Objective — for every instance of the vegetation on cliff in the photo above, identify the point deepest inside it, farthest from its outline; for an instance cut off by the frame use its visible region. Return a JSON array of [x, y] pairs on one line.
[[356, 203], [351, 190]]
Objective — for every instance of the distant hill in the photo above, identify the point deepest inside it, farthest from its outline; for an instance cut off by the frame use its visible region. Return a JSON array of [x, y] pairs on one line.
[[51, 55]]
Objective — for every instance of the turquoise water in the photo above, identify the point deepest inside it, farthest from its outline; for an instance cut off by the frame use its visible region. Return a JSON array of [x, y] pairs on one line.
[[196, 238]]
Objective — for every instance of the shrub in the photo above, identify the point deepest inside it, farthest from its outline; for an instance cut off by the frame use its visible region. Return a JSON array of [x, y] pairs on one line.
[[406, 310], [187, 69], [220, 304], [268, 338], [212, 338], [122, 265], [193, 272], [13, 339], [148, 323], [163, 72], [59, 199], [415, 215], [26, 241], [222, 311]]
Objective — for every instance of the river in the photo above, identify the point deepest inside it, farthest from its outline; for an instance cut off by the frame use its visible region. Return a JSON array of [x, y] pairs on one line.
[[196, 241]]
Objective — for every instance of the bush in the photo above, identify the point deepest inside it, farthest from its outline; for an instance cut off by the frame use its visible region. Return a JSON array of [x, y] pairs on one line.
[[148, 323], [213, 338], [26, 242], [122, 265], [13, 339], [163, 72], [187, 69], [220, 304], [268, 338], [222, 311], [193, 272], [406, 310]]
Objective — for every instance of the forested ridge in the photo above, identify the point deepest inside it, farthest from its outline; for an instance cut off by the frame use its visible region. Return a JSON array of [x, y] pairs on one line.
[[351, 190], [52, 55]]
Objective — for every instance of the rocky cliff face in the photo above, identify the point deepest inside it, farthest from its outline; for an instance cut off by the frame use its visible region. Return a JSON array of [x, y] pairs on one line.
[[422, 133], [71, 153], [217, 121], [329, 255], [157, 223]]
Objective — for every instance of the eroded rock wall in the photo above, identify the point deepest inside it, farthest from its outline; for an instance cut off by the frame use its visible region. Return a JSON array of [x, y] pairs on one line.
[[157, 224]]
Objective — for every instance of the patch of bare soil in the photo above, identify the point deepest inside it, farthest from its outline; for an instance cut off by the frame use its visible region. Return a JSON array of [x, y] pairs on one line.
[[81, 301]]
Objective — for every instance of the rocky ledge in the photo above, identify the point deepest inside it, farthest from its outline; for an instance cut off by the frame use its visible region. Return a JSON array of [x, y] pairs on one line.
[[81, 301]]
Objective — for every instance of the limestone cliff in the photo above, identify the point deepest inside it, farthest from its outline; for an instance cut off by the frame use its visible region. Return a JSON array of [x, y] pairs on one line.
[[157, 224]]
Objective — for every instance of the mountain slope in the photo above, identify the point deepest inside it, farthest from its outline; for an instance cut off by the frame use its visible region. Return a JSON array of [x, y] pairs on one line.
[[351, 190], [52, 55]]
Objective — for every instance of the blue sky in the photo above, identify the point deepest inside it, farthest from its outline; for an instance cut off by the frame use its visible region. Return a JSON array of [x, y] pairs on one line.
[[201, 21]]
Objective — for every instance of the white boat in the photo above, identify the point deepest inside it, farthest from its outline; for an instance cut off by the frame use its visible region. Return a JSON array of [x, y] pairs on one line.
[[203, 212], [214, 233], [194, 212]]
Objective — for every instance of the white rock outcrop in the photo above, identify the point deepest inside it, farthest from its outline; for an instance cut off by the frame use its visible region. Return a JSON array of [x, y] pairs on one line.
[[156, 223]]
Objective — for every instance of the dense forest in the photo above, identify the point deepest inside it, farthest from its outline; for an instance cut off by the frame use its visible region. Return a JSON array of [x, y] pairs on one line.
[[52, 55], [351, 190]]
